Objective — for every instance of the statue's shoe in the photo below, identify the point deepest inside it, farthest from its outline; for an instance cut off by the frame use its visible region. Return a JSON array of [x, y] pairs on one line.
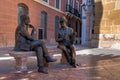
[[75, 65], [51, 60], [42, 70]]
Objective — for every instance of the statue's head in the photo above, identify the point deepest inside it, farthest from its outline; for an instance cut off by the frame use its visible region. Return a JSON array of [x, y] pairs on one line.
[[63, 21], [24, 19]]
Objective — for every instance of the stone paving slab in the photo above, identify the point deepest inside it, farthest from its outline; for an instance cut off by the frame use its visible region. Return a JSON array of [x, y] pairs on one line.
[[95, 64], [110, 72], [65, 74]]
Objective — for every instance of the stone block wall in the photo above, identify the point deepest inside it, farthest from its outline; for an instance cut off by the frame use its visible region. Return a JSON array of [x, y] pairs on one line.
[[107, 24]]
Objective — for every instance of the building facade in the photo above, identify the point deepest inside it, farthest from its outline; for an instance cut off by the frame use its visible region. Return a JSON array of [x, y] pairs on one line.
[[44, 15]]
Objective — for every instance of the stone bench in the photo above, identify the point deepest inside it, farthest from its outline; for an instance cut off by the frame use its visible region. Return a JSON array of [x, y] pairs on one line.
[[22, 56], [21, 59]]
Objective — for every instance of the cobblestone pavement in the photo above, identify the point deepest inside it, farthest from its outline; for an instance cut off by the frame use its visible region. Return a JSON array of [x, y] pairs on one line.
[[94, 64]]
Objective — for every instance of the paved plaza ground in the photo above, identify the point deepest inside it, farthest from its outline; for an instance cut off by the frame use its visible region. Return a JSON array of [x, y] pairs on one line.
[[94, 64]]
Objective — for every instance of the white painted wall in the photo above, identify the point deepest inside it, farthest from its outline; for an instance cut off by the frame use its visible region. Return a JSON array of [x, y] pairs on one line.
[[83, 39]]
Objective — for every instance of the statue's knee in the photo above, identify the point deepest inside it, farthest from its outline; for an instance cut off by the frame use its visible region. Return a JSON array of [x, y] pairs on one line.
[[39, 49], [72, 47], [64, 48], [43, 41], [61, 47]]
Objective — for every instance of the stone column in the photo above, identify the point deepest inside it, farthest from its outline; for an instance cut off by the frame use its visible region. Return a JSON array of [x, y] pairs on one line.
[[88, 27], [88, 21]]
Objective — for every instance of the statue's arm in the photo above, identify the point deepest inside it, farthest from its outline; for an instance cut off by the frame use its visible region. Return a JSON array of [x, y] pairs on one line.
[[33, 30], [58, 38], [25, 34], [72, 36]]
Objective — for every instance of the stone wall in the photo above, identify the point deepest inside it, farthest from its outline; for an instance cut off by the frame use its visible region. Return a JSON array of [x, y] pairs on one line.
[[107, 24]]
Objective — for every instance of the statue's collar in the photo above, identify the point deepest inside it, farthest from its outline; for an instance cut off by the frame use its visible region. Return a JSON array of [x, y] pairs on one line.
[[64, 28]]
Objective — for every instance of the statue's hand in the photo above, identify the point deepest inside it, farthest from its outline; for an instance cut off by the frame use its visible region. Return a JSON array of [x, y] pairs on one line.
[[75, 33], [31, 26], [59, 39]]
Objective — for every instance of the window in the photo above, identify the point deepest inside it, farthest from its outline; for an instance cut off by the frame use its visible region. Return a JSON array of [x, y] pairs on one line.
[[44, 23], [68, 2], [56, 24], [89, 2], [46, 0], [22, 9], [77, 5], [73, 3], [57, 4], [40, 34]]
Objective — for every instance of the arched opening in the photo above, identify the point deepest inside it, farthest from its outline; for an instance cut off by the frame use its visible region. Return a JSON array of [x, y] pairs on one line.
[[22, 9]]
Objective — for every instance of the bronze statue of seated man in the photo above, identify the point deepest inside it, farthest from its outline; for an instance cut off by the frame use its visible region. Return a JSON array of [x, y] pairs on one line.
[[25, 42], [66, 38]]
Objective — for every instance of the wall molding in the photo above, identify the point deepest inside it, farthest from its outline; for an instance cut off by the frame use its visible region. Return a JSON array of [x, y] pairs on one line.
[[49, 6]]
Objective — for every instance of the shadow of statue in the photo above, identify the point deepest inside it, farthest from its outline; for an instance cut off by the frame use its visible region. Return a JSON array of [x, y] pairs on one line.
[[94, 65], [97, 17]]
